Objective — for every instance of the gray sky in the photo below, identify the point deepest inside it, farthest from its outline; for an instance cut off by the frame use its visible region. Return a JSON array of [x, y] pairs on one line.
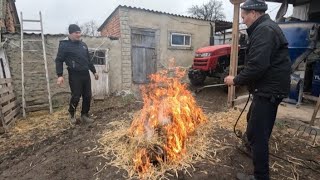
[[58, 14]]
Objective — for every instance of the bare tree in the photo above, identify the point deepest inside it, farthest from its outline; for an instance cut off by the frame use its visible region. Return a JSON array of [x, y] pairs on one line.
[[89, 28], [211, 10]]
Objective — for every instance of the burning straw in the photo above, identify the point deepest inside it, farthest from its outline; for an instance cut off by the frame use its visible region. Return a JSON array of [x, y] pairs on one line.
[[168, 135], [164, 136], [120, 149]]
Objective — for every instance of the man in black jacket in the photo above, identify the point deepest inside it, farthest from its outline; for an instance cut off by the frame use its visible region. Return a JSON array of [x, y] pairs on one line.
[[267, 76], [75, 54]]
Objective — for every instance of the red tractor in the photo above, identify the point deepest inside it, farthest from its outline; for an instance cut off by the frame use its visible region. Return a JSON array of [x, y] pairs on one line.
[[213, 61]]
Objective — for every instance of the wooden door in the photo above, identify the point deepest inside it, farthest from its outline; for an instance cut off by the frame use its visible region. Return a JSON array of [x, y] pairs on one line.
[[143, 55], [100, 88]]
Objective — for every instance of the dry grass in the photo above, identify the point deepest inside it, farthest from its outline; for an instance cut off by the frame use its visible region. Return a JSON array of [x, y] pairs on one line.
[[119, 149], [36, 127], [227, 119]]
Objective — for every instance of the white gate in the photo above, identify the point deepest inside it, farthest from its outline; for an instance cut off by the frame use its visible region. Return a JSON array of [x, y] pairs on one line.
[[100, 88]]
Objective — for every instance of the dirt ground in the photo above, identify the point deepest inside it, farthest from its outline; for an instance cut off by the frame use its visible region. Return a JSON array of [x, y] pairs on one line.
[[52, 149]]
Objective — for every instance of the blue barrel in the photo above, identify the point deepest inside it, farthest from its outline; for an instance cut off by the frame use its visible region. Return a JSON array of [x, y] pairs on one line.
[[315, 90], [297, 34]]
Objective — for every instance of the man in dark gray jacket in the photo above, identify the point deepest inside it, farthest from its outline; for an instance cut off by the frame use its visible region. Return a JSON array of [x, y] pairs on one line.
[[267, 76], [75, 54]]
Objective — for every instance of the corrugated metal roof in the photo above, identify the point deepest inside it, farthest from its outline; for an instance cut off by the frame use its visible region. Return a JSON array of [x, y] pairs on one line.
[[219, 25], [294, 2], [280, 1], [56, 35]]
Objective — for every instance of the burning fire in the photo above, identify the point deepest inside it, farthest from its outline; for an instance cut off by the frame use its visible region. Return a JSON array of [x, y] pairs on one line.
[[169, 115]]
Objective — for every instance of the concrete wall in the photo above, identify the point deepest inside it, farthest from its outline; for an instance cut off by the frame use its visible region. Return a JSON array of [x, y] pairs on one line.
[[36, 83], [163, 25], [167, 24], [112, 28]]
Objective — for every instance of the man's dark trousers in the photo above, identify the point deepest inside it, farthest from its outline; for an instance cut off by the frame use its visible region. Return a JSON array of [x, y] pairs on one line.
[[80, 85], [261, 117]]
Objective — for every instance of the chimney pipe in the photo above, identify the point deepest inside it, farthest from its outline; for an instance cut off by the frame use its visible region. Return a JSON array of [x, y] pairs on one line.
[[211, 40]]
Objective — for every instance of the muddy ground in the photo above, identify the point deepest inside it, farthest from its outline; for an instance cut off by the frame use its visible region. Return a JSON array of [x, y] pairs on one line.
[[61, 153]]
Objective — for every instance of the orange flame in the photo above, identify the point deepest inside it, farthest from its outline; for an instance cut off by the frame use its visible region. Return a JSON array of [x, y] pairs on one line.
[[168, 106], [141, 161]]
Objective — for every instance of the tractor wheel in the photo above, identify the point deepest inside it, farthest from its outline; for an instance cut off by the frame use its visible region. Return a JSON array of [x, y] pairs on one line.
[[197, 79]]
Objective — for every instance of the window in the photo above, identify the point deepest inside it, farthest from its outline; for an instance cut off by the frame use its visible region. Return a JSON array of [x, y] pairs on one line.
[[178, 39], [98, 57]]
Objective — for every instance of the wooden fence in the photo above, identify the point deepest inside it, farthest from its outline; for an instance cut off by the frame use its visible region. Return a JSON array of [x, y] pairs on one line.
[[9, 107]]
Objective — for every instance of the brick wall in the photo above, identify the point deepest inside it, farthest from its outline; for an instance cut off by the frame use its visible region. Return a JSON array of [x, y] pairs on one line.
[[125, 49], [112, 28], [10, 19], [8, 22], [118, 27]]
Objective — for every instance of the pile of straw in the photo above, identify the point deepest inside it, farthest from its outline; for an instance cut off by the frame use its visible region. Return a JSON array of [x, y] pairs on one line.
[[119, 148]]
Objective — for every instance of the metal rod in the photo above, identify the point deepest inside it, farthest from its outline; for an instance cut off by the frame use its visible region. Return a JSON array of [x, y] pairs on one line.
[[296, 133], [315, 135], [29, 20], [213, 85]]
